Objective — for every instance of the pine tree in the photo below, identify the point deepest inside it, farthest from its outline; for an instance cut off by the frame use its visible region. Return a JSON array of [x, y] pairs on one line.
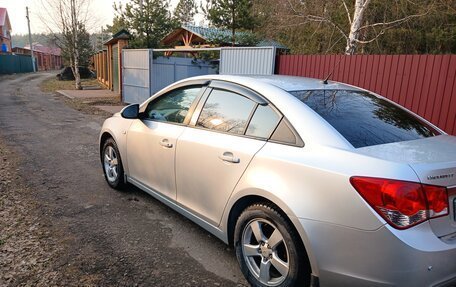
[[185, 11], [230, 14], [118, 22], [147, 20]]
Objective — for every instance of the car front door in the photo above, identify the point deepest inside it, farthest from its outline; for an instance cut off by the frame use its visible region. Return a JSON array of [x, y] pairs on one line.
[[151, 141], [216, 148]]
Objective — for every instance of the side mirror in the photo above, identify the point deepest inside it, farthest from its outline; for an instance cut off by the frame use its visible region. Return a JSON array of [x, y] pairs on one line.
[[130, 111]]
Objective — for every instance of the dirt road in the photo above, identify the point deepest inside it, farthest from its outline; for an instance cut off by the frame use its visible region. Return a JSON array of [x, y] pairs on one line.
[[60, 224]]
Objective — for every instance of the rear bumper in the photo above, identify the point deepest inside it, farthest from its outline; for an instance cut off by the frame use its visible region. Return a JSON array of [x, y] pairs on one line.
[[384, 257]]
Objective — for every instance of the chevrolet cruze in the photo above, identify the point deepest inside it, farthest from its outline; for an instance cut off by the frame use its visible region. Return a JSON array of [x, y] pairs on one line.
[[314, 183]]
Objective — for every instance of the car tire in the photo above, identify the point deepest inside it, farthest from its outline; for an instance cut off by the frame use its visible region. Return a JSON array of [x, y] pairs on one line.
[[268, 249], [112, 165]]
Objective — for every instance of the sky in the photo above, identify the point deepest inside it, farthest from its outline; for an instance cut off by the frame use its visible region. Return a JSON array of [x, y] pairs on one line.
[[103, 14]]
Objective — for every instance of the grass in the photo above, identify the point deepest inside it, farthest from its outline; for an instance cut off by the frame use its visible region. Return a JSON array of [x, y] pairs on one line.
[[52, 84]]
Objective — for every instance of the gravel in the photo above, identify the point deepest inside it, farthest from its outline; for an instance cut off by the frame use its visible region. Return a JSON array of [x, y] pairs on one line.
[[27, 247]]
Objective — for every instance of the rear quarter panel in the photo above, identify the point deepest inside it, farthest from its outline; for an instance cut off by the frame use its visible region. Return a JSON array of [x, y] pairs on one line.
[[312, 183]]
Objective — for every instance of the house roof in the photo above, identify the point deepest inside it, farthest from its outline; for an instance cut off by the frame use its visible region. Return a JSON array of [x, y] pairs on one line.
[[4, 19], [209, 34], [44, 49], [122, 34], [271, 43]]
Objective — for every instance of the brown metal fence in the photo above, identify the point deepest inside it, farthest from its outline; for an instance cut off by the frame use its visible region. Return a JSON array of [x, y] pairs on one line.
[[425, 84]]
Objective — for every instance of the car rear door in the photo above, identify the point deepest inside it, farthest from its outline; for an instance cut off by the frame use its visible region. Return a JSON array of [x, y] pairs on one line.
[[151, 140], [216, 148]]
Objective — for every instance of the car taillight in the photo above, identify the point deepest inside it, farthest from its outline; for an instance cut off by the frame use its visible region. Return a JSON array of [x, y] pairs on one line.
[[437, 199], [402, 203]]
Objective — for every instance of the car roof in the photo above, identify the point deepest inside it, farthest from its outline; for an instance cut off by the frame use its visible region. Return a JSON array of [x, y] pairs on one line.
[[293, 83], [287, 83]]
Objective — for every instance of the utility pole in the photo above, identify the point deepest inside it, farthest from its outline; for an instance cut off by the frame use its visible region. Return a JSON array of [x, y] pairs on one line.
[[30, 39], [102, 38]]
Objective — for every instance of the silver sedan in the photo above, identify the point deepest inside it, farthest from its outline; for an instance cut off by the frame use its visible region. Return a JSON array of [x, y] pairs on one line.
[[313, 183]]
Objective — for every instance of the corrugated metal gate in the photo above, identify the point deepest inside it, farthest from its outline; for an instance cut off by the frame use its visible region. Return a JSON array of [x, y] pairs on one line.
[[247, 60], [142, 76], [10, 64], [136, 75], [166, 71]]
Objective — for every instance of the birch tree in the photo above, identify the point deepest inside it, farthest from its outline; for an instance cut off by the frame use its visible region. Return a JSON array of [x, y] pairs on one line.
[[67, 20], [358, 24], [355, 22]]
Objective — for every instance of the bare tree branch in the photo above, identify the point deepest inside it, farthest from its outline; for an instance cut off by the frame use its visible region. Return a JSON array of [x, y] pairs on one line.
[[65, 19], [318, 19], [371, 40], [397, 21], [348, 12], [333, 45]]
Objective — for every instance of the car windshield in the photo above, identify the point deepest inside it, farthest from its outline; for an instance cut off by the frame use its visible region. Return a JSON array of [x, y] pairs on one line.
[[364, 119]]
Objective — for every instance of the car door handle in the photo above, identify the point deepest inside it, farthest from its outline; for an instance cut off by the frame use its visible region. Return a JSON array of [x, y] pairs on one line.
[[229, 157], [166, 143]]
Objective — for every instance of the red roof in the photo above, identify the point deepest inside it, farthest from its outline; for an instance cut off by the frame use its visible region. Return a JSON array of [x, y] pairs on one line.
[[4, 17], [47, 50]]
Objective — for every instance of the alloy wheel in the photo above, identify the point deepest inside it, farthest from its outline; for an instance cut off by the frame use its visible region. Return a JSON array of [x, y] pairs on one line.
[[265, 252], [111, 163]]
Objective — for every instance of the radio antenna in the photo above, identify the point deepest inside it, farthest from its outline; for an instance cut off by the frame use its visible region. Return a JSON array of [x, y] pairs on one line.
[[325, 81]]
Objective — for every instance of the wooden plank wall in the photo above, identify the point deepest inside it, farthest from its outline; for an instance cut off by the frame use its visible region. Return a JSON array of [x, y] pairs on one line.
[[425, 84]]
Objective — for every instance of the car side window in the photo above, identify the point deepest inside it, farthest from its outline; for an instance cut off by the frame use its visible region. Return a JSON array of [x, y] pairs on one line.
[[263, 122], [226, 111], [284, 134], [173, 106]]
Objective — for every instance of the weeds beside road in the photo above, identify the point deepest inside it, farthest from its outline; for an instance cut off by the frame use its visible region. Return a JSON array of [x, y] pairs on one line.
[[53, 84]]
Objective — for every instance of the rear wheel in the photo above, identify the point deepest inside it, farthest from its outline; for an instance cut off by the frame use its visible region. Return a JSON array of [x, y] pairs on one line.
[[268, 249], [112, 164]]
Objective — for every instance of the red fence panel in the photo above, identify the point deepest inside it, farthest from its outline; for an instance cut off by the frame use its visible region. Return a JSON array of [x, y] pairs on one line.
[[425, 84]]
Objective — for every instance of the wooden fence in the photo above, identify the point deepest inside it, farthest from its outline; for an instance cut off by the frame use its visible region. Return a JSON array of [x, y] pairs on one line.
[[425, 84]]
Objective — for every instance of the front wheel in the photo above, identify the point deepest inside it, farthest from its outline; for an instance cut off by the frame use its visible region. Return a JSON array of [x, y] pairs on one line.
[[268, 249], [112, 164]]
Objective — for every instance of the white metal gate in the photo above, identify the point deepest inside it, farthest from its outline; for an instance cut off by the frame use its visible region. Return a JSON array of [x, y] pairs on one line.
[[247, 60], [136, 69]]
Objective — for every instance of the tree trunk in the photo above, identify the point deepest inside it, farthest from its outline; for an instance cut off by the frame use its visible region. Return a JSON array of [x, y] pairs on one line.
[[357, 23], [75, 28], [233, 26]]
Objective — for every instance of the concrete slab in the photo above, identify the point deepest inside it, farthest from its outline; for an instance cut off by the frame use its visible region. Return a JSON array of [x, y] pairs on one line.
[[110, 109], [87, 94]]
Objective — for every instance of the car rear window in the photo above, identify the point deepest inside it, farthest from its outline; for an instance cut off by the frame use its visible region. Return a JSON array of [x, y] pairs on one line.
[[364, 119]]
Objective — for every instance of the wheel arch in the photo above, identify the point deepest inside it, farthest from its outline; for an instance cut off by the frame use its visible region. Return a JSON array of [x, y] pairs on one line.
[[120, 139], [104, 136], [247, 200]]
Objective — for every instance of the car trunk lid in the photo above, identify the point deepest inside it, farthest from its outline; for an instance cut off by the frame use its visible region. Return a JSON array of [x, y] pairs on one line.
[[434, 161]]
